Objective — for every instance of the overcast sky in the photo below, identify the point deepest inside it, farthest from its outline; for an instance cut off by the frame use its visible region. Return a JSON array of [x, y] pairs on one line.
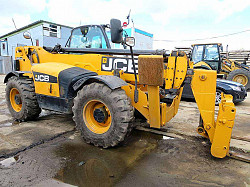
[[170, 20]]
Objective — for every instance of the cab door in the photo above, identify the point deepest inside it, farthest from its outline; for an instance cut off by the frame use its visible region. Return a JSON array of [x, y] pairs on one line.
[[211, 56]]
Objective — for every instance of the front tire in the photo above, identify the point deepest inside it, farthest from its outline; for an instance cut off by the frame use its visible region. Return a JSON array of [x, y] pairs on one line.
[[21, 99], [103, 116]]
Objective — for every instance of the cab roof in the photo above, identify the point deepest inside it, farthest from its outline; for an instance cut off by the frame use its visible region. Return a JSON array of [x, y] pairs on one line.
[[219, 44]]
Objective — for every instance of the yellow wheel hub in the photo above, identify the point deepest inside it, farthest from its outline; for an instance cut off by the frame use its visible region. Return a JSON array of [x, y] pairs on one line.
[[97, 117], [240, 78], [15, 99]]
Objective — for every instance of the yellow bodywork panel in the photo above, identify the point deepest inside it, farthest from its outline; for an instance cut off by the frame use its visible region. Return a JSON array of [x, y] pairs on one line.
[[92, 62], [172, 110], [21, 55], [224, 127], [219, 133], [169, 72], [142, 104], [175, 72], [154, 106], [204, 88], [49, 89], [49, 71], [201, 63], [157, 114], [180, 71]]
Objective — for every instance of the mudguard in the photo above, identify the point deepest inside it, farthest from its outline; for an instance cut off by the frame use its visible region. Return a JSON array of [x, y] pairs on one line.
[[14, 73], [112, 82]]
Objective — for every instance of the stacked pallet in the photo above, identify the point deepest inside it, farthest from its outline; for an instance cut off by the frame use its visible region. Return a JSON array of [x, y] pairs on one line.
[[239, 56]]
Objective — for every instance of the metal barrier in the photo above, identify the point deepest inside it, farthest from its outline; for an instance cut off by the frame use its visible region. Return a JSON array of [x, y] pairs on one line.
[[5, 64]]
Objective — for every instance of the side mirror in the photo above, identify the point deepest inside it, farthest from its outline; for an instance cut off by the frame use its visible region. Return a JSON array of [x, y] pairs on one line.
[[130, 41], [116, 30], [27, 35]]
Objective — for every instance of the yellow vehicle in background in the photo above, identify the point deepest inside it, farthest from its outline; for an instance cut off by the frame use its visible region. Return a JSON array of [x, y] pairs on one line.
[[103, 87], [207, 56]]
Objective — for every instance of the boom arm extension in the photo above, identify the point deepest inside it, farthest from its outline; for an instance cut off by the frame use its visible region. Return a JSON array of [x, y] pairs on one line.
[[204, 88]]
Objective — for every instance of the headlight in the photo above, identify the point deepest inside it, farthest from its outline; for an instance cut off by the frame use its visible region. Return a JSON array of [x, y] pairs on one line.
[[236, 88]]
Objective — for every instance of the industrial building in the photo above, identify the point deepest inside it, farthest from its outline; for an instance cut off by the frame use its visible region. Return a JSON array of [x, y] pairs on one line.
[[143, 39], [43, 33]]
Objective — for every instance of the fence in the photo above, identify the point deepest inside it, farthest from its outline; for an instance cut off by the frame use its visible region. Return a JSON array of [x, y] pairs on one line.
[[240, 56]]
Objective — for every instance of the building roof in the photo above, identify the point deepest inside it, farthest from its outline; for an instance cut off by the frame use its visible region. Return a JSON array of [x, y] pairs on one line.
[[144, 33], [30, 26]]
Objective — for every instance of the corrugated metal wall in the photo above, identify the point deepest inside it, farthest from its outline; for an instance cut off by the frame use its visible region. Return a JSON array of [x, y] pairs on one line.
[[5, 64]]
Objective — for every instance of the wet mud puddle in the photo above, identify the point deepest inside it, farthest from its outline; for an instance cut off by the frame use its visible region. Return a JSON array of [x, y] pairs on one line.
[[9, 123], [144, 159], [87, 165]]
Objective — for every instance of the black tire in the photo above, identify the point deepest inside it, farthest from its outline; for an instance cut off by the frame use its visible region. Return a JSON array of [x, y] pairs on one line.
[[218, 97], [30, 109], [121, 110], [232, 74]]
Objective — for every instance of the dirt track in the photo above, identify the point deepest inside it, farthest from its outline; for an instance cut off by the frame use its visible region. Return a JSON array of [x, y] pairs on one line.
[[144, 160], [48, 152]]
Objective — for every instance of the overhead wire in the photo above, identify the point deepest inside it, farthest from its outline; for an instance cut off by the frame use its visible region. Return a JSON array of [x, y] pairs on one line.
[[225, 35]]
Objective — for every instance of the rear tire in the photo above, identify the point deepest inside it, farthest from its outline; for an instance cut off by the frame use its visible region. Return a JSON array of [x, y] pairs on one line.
[[21, 99], [240, 75], [103, 116]]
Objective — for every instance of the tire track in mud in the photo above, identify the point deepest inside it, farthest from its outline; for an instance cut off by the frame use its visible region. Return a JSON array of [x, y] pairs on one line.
[[35, 144]]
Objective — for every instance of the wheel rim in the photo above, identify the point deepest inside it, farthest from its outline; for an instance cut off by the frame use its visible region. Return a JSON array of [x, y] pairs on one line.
[[240, 78], [218, 97], [15, 99], [97, 117]]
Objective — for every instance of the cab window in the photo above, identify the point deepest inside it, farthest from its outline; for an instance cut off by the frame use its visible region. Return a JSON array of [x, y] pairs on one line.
[[211, 53], [197, 53], [88, 37]]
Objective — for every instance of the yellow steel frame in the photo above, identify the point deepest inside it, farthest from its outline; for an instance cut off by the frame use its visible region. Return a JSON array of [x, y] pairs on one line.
[[219, 132]]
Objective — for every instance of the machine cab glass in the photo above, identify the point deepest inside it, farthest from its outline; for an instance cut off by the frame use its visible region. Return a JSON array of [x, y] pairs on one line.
[[208, 53], [197, 53], [211, 56], [88, 37], [211, 53]]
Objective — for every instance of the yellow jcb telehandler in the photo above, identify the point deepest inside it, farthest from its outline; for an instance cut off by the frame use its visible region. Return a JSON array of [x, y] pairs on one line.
[[103, 87]]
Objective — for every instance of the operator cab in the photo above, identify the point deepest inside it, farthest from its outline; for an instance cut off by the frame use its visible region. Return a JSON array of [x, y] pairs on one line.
[[95, 37], [209, 53], [88, 36]]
